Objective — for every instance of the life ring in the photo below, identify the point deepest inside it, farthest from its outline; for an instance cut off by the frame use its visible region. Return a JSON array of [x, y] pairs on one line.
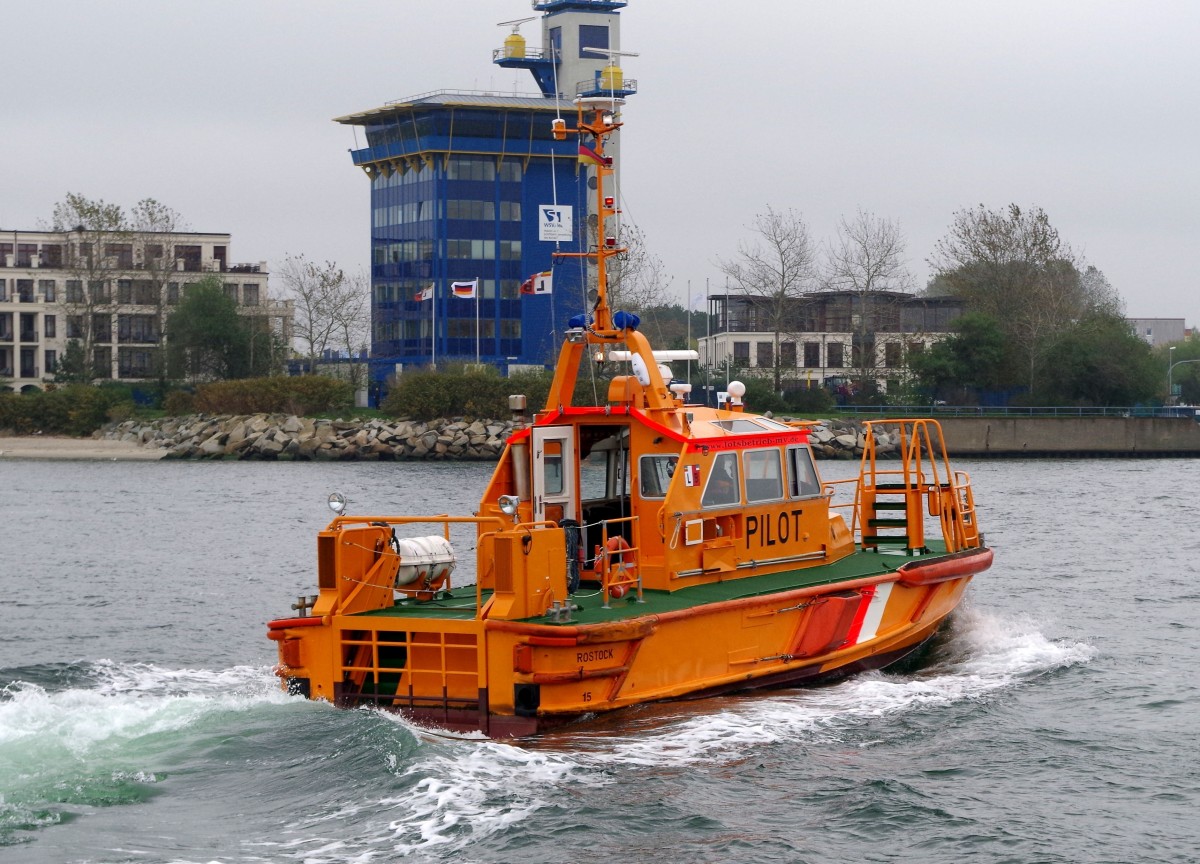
[[617, 547], [615, 550]]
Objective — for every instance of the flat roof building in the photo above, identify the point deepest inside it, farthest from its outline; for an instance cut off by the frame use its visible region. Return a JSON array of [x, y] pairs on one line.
[[471, 189], [112, 292]]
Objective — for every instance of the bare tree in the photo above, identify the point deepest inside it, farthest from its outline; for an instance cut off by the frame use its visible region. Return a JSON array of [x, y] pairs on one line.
[[775, 269], [109, 249], [352, 332], [153, 226], [867, 261], [637, 279], [331, 307], [97, 237]]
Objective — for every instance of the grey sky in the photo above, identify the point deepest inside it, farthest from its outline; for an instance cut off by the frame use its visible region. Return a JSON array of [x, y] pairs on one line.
[[221, 109]]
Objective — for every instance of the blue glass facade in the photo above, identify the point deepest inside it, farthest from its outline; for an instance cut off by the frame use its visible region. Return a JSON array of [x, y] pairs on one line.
[[455, 191]]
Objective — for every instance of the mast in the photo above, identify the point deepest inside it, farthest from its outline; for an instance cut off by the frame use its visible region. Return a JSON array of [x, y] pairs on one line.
[[596, 123]]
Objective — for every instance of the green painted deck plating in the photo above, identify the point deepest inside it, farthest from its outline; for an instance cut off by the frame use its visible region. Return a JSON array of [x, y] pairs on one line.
[[459, 603]]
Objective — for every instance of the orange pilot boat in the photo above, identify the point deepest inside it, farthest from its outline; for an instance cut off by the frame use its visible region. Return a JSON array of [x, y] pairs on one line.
[[712, 560]]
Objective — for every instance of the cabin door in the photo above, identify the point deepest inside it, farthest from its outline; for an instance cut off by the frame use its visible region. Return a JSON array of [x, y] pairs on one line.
[[554, 473]]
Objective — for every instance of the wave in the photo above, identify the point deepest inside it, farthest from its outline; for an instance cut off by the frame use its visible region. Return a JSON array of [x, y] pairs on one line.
[[363, 783]]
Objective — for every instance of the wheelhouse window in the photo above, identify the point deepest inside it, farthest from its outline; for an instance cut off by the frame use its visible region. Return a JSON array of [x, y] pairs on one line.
[[722, 488], [655, 475], [764, 477], [802, 474]]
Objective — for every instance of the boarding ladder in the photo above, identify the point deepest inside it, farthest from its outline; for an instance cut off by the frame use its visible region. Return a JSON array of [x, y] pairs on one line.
[[894, 497]]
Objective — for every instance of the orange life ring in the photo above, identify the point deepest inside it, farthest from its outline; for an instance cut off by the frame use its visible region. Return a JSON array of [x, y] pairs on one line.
[[617, 547]]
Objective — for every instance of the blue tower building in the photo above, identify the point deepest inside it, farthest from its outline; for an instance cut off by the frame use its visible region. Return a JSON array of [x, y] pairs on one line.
[[471, 195]]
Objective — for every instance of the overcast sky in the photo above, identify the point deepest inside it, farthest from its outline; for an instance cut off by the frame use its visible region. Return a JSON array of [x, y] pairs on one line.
[[911, 110]]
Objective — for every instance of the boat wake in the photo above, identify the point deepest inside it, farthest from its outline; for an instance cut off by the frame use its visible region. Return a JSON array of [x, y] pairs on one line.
[[77, 738]]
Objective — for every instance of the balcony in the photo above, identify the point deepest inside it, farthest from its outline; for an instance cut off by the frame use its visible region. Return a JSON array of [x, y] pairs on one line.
[[29, 336], [604, 87]]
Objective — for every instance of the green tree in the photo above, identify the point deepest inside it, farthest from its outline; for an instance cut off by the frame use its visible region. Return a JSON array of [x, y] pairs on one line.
[[1184, 375], [73, 366], [1014, 266], [972, 359], [207, 340], [1101, 361]]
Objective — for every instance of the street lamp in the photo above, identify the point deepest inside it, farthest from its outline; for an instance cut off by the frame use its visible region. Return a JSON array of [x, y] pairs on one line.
[[1170, 366]]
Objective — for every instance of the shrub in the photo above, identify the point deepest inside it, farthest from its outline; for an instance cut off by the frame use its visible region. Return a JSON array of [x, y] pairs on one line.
[[463, 391], [304, 395], [76, 409], [179, 402]]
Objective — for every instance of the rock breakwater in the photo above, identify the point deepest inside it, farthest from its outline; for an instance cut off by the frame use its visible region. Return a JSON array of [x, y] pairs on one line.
[[277, 436]]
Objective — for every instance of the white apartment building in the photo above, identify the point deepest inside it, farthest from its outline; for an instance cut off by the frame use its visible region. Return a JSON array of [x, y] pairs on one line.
[[113, 292]]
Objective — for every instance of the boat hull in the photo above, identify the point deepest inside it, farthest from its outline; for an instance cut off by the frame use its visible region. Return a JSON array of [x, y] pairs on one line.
[[516, 678]]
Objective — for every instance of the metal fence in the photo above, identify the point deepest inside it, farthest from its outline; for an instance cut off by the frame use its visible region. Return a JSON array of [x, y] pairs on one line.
[[1188, 411]]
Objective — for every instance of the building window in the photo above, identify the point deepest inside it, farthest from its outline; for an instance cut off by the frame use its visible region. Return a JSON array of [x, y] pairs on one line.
[[137, 328], [26, 252], [102, 362], [3, 291], [812, 355], [173, 293], [592, 36], [50, 326], [74, 291], [52, 255], [125, 291], [145, 293], [51, 361], [471, 168], [102, 328], [250, 295], [835, 351], [135, 363], [766, 359], [25, 290], [916, 349], [47, 289], [231, 291], [120, 255], [787, 355], [741, 353], [74, 326], [893, 355], [99, 291]]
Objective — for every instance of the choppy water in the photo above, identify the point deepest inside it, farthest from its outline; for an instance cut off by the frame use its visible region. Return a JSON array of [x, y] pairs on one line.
[[1054, 721]]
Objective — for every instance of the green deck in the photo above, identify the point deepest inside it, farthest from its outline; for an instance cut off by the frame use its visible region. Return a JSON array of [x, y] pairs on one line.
[[460, 605]]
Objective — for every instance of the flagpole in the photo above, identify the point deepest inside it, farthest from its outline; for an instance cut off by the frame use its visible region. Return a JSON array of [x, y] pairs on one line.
[[434, 334], [478, 291]]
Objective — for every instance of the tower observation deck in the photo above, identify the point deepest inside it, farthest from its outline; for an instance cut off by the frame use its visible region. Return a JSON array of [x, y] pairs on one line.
[[564, 66]]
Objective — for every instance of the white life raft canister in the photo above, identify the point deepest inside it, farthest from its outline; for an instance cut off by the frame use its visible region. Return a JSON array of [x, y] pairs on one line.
[[427, 559]]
